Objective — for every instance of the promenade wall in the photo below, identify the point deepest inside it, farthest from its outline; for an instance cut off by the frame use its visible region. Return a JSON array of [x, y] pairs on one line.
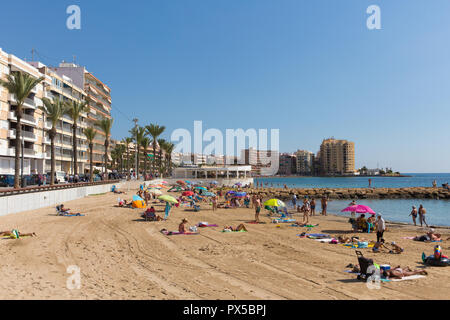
[[15, 203]]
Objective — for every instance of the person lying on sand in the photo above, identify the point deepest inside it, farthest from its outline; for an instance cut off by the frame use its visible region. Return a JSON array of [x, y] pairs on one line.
[[123, 203], [399, 273], [238, 228], [430, 236], [11, 234]]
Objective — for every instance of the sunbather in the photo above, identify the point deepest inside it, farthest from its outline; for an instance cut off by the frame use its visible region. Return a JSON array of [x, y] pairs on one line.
[[399, 273], [11, 234], [240, 227], [430, 236], [66, 211], [182, 226]]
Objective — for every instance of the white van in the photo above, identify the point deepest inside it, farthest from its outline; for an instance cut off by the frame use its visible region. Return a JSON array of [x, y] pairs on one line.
[[60, 175]]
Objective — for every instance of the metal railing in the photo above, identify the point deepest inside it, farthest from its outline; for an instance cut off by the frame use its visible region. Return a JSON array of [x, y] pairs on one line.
[[12, 191]]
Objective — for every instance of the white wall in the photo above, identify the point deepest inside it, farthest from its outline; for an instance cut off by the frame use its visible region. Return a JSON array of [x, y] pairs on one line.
[[31, 201]]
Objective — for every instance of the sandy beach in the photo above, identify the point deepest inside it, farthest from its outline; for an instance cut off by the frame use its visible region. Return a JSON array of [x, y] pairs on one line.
[[123, 257]]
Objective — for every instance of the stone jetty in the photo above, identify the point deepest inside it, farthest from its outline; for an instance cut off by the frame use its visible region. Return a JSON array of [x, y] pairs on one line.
[[354, 193]]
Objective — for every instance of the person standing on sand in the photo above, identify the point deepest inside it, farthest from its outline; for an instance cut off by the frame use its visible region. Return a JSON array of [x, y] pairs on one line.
[[413, 214], [324, 202], [257, 209], [370, 183], [313, 207], [434, 184], [422, 212], [381, 227], [214, 203], [294, 200]]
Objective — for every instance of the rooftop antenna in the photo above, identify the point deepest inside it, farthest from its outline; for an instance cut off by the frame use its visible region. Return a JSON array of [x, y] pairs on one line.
[[74, 59], [32, 54]]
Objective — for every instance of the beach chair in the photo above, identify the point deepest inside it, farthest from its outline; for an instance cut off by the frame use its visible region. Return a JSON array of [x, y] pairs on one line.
[[58, 211], [364, 264]]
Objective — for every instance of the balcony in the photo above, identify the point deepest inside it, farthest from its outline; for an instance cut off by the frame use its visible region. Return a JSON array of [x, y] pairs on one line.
[[28, 103], [27, 135], [26, 152], [26, 118]]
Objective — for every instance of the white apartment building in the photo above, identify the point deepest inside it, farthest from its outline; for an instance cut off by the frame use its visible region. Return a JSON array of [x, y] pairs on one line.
[[32, 121], [35, 126]]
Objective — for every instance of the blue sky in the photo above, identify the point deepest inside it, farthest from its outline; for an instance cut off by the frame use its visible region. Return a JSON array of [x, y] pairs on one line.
[[310, 68]]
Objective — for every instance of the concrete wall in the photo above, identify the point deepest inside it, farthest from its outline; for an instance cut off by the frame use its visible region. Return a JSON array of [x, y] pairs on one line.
[[36, 200]]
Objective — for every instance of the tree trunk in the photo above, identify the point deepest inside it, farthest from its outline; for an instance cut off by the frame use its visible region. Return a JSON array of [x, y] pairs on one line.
[[52, 156], [106, 158], [154, 155], [91, 169], [18, 150], [128, 164], [75, 152], [145, 164]]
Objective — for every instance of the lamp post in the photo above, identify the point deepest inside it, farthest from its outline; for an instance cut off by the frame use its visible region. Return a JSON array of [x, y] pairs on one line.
[[136, 149]]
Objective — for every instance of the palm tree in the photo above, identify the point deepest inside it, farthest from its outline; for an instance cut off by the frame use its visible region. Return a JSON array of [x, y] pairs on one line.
[[127, 142], [54, 110], [155, 131], [19, 84], [169, 146], [145, 143], [74, 111], [162, 146], [138, 133], [90, 134], [105, 125]]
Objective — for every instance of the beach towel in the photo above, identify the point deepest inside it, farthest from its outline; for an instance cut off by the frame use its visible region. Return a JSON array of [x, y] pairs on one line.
[[324, 240], [283, 220], [176, 233], [349, 245], [254, 222], [307, 226], [416, 276], [201, 225], [73, 215]]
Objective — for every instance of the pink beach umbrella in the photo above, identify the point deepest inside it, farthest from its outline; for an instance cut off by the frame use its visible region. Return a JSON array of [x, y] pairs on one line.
[[359, 208]]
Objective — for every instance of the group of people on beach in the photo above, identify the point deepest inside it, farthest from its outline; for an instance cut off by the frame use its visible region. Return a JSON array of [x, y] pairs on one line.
[[421, 212]]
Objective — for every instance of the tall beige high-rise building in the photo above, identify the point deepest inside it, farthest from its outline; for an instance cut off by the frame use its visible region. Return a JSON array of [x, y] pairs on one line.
[[337, 157]]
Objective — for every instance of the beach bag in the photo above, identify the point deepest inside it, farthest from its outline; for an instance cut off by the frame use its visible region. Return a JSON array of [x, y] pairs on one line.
[[363, 244], [193, 229]]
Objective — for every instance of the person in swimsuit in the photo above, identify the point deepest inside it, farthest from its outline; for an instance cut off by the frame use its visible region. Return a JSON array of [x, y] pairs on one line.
[[324, 206], [313, 206], [182, 226], [422, 212], [399, 273], [413, 214]]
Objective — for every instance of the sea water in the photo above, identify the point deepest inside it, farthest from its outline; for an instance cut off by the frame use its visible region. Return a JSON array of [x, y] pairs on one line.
[[396, 210]]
